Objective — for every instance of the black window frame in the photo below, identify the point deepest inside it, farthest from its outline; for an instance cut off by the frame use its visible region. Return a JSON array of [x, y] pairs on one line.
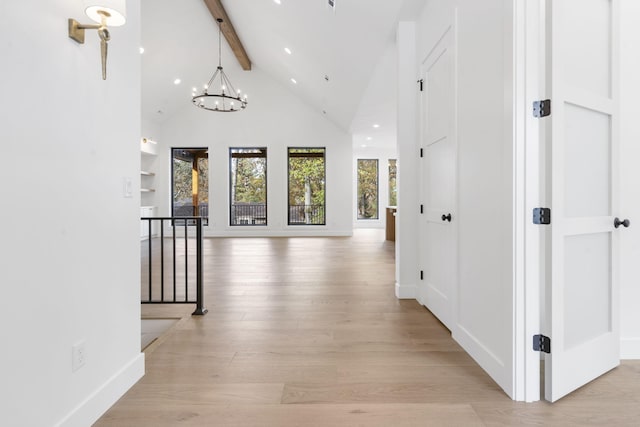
[[324, 201], [205, 218], [377, 217], [261, 152]]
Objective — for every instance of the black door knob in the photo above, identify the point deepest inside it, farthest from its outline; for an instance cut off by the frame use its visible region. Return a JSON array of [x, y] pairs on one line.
[[617, 223], [446, 217]]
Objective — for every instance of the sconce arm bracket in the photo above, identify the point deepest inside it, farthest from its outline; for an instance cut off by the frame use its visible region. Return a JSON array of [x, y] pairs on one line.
[[76, 30]]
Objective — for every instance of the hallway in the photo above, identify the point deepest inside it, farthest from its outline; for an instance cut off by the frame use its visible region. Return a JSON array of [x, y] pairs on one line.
[[308, 332]]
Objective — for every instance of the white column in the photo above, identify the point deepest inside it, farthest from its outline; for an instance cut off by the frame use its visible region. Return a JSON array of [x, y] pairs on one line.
[[407, 148]]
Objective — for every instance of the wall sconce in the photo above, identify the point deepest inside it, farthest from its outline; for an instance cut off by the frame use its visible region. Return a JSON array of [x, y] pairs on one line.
[[110, 13]]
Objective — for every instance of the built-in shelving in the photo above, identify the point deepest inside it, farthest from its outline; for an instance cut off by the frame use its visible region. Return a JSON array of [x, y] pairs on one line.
[[148, 155]]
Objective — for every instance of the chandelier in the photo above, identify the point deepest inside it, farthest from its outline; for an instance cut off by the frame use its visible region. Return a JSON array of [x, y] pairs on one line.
[[227, 100]]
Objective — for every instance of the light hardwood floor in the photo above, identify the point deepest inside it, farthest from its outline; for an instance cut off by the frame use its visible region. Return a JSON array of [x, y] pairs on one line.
[[308, 332]]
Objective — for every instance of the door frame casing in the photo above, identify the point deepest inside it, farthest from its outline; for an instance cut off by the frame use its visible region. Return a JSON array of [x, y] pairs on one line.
[[529, 192]]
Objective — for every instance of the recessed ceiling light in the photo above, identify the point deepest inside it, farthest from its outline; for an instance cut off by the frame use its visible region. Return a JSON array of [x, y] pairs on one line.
[[194, 89], [369, 138], [177, 81], [277, 1], [294, 81], [376, 126], [141, 50], [286, 49]]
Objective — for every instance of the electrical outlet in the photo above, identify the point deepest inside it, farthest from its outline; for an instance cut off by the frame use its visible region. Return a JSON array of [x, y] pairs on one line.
[[78, 356]]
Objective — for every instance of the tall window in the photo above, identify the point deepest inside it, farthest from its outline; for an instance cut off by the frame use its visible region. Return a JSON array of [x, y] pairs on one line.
[[306, 186], [248, 186], [190, 182], [367, 188], [393, 188]]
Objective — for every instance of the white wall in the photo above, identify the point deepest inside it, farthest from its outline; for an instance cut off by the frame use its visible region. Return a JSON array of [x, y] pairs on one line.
[[484, 114], [70, 246], [630, 179], [276, 119], [150, 129]]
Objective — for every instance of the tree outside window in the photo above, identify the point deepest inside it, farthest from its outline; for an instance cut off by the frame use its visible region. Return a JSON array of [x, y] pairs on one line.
[[306, 186], [248, 186], [367, 189], [190, 182], [393, 188]]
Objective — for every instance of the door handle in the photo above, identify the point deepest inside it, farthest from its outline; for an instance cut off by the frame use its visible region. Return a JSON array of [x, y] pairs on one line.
[[617, 223], [446, 217]]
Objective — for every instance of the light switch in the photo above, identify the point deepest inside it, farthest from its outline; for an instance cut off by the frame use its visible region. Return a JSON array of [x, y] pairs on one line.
[[127, 187]]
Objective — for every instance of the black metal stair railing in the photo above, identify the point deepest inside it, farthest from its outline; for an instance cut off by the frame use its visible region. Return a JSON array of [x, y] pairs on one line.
[[171, 281]]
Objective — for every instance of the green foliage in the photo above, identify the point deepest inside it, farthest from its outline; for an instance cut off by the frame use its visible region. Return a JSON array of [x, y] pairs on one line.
[[306, 173], [181, 180], [182, 177], [367, 188], [393, 187], [248, 178]]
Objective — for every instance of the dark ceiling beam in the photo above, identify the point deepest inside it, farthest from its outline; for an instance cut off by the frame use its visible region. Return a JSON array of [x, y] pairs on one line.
[[218, 12]]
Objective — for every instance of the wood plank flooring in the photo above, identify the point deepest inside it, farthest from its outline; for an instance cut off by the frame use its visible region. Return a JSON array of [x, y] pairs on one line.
[[308, 332]]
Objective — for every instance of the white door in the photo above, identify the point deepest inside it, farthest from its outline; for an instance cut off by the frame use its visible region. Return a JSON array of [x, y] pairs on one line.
[[438, 221], [582, 294]]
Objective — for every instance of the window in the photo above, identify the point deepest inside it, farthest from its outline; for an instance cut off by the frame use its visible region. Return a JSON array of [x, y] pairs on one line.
[[306, 186], [248, 186], [367, 188], [393, 189], [190, 182]]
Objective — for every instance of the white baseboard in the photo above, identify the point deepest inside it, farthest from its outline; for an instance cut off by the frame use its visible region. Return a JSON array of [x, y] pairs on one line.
[[98, 402], [630, 348], [252, 232], [490, 362], [406, 291]]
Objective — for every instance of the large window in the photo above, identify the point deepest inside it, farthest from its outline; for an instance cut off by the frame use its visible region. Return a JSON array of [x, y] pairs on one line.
[[393, 187], [306, 186], [367, 188], [248, 186], [190, 182]]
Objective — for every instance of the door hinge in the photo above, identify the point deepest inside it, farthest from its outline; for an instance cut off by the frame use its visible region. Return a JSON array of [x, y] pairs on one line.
[[542, 108], [421, 81], [542, 216], [422, 152], [421, 275], [542, 343], [421, 208]]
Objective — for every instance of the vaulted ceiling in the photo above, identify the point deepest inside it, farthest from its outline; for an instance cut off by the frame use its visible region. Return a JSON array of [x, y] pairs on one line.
[[341, 59]]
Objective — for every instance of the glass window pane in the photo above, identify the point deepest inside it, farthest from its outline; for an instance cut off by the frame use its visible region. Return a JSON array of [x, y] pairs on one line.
[[248, 186], [190, 182], [306, 186], [393, 189], [367, 188]]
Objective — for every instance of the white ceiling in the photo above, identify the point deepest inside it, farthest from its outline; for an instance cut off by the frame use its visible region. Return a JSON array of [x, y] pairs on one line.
[[352, 46]]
